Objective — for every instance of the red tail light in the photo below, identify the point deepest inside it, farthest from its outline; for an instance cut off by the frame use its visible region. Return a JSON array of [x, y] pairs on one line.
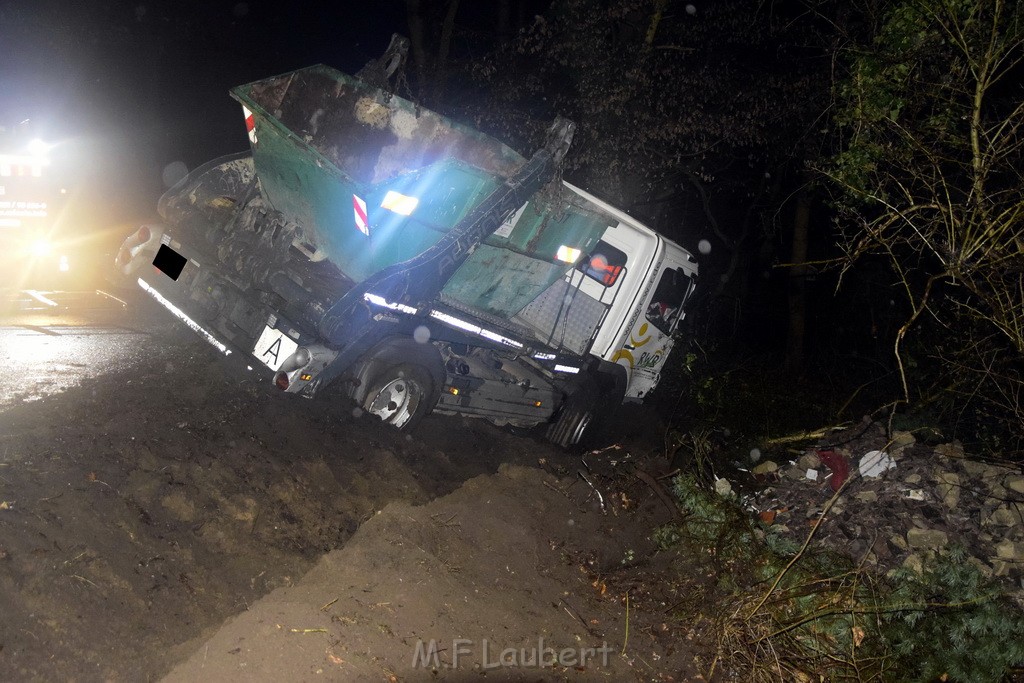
[[281, 381]]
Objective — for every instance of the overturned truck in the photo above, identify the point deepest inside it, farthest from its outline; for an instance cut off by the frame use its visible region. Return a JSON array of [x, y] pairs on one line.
[[414, 263]]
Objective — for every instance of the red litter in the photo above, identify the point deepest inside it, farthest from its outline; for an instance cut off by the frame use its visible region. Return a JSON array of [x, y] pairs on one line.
[[839, 466]]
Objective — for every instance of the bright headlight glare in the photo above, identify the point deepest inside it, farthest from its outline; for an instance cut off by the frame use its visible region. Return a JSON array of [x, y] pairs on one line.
[[568, 254], [40, 248], [399, 203], [38, 148]]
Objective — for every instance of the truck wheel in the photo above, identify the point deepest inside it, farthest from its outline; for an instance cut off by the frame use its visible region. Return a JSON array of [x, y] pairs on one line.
[[400, 395], [575, 417]]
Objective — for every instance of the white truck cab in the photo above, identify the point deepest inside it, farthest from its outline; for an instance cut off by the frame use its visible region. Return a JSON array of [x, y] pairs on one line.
[[656, 279]]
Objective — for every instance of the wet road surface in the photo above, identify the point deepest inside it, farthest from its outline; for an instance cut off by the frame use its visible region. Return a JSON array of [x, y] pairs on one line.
[[51, 340]]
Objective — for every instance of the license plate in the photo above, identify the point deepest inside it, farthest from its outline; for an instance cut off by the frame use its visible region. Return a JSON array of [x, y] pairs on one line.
[[274, 348], [170, 262]]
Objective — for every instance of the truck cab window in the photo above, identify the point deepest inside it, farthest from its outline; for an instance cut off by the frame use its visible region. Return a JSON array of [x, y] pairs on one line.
[[667, 302], [604, 264]]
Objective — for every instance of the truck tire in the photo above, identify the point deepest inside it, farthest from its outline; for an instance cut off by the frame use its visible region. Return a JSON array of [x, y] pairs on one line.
[[575, 417], [611, 383], [400, 395]]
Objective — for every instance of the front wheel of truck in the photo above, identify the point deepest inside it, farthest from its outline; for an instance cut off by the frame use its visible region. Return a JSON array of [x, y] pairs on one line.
[[575, 417], [400, 395]]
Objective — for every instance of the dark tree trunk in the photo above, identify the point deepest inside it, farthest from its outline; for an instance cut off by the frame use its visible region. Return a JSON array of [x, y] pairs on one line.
[[417, 38], [797, 297], [443, 49], [504, 29]]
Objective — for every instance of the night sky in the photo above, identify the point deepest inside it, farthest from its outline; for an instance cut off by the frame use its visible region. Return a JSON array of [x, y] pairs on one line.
[[127, 88]]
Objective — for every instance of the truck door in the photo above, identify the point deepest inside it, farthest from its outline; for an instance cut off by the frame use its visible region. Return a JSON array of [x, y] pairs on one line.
[[650, 341]]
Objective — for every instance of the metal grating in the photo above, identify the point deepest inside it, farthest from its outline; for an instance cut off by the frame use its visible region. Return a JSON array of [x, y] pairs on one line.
[[564, 315]]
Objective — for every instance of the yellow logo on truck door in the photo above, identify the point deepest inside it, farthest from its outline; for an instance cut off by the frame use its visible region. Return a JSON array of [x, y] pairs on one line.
[[627, 354]]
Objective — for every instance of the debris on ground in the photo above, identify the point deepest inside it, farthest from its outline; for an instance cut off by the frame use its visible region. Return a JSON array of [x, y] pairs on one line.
[[904, 501]]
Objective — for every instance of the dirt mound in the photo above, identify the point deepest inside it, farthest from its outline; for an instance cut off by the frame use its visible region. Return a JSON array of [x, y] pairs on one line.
[[490, 579], [141, 509]]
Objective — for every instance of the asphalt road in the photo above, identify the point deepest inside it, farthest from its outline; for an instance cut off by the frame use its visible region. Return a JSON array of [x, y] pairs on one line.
[[51, 340]]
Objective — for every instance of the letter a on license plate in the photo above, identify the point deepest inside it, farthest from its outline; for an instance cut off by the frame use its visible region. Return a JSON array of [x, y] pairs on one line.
[[274, 348]]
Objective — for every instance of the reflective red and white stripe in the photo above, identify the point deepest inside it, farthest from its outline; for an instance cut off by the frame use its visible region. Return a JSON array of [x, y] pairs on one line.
[[250, 124], [362, 222]]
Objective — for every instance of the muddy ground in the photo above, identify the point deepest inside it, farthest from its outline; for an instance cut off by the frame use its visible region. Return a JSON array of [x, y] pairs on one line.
[[140, 511]]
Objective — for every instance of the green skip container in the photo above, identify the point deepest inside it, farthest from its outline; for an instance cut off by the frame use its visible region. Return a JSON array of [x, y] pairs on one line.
[[376, 180]]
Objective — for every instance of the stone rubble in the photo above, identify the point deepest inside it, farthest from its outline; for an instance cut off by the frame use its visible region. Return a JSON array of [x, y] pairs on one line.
[[929, 498]]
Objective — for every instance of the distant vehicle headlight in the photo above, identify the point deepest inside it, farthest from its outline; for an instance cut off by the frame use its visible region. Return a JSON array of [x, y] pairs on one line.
[[40, 248], [39, 148]]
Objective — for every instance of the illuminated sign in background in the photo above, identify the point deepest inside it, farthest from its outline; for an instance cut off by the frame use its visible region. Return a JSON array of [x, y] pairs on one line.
[[15, 165], [23, 209], [12, 209]]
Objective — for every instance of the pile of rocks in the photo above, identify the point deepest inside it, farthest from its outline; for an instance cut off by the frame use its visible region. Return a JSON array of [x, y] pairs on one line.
[[898, 501]]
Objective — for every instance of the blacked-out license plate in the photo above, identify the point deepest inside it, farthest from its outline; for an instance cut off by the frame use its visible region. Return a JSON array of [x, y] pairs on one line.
[[169, 262]]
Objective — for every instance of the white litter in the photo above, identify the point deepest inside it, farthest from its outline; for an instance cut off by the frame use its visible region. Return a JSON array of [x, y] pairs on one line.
[[874, 463], [812, 475]]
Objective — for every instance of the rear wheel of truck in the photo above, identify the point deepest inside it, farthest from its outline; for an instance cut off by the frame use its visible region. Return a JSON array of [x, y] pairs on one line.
[[400, 395]]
